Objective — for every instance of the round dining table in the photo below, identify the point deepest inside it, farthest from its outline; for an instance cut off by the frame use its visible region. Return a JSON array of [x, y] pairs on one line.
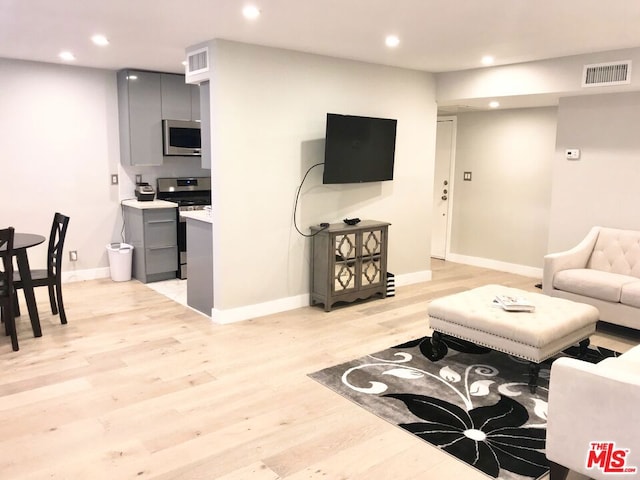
[[22, 242]]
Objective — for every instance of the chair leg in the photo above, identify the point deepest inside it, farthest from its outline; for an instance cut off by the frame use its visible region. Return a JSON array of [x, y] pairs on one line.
[[63, 315], [52, 300], [16, 305], [10, 326]]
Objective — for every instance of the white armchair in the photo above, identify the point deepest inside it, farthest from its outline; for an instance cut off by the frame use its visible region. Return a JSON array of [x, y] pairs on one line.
[[595, 403]]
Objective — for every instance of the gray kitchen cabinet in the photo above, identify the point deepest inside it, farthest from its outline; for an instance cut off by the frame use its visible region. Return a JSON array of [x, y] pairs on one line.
[[153, 234], [180, 101], [200, 260], [205, 124], [349, 262], [195, 102], [140, 117], [144, 100]]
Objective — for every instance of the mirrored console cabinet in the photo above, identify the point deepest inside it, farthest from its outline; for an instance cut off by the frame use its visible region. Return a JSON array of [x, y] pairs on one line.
[[349, 262]]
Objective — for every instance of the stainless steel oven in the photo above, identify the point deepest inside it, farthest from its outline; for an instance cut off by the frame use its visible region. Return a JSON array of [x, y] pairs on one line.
[[190, 193]]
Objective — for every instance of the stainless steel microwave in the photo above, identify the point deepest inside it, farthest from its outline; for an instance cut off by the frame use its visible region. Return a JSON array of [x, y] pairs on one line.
[[181, 137]]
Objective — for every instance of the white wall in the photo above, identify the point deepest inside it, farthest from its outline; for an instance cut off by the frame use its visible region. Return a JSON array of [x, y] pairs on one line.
[[603, 187], [268, 111], [502, 214], [59, 147]]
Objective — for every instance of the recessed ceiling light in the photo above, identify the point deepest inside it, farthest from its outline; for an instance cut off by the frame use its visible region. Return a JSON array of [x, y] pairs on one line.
[[251, 12], [494, 104], [392, 41], [100, 40], [488, 60], [67, 56]]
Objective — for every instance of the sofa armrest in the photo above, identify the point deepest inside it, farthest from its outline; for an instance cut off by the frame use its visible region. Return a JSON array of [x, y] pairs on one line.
[[576, 257], [592, 403]]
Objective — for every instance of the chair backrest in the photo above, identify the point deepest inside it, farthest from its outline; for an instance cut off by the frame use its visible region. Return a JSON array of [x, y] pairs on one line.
[[56, 243], [6, 255]]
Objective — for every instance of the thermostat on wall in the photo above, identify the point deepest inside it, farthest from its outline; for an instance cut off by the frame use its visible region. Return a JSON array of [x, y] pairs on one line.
[[573, 153]]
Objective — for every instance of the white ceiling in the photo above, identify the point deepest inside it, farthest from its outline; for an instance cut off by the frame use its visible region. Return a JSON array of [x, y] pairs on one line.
[[436, 35]]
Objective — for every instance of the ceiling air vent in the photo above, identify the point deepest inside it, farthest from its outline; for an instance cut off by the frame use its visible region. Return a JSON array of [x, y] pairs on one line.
[[198, 61], [602, 74]]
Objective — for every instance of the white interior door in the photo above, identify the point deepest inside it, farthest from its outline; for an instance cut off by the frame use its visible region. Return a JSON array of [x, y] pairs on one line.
[[442, 188]]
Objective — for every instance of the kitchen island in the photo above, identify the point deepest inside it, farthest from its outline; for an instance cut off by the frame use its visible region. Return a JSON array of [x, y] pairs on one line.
[[200, 260]]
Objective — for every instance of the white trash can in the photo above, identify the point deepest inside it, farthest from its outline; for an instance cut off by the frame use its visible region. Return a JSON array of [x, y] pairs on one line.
[[120, 258]]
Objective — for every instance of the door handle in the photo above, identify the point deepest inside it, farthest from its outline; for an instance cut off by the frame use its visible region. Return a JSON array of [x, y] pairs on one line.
[[444, 197]]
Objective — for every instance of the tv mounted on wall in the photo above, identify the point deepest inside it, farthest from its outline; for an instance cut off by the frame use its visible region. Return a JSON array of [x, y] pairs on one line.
[[359, 149]]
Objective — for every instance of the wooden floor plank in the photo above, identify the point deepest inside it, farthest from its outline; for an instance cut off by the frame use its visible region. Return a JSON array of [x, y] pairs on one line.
[[139, 386]]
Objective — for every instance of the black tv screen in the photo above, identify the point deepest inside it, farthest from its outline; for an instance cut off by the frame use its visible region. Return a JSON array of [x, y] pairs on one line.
[[359, 149]]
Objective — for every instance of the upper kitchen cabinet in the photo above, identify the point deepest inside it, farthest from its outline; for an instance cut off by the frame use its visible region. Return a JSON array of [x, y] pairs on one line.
[[180, 101], [140, 114], [205, 124], [144, 100]]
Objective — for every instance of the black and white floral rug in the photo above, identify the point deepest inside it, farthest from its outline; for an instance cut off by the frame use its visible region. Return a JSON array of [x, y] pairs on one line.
[[475, 403]]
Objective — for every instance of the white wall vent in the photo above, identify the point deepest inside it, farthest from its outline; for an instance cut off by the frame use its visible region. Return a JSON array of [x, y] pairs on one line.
[[602, 74], [198, 61]]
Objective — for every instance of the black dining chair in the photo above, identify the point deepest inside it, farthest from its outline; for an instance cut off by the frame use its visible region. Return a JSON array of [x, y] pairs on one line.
[[52, 276], [7, 292]]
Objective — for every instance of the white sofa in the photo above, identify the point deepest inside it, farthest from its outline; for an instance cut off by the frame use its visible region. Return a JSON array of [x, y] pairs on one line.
[[594, 403], [603, 270]]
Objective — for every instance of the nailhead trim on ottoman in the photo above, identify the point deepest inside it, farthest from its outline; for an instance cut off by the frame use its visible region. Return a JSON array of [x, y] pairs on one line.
[[555, 324]]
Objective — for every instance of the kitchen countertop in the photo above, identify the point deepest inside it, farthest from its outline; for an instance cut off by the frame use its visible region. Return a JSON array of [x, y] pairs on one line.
[[152, 204], [201, 215]]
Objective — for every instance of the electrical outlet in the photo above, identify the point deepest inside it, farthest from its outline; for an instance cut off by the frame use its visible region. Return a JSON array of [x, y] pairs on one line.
[[114, 179], [73, 255], [138, 179], [467, 176]]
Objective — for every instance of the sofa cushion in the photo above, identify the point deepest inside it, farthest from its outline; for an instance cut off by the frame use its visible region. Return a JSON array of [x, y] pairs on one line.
[[630, 294], [592, 283], [616, 251]]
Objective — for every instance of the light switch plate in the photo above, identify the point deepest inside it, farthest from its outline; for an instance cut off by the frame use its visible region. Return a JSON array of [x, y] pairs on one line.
[[573, 153], [466, 176]]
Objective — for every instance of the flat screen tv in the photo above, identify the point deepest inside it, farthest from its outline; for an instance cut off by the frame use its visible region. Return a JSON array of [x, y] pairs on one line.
[[359, 149]]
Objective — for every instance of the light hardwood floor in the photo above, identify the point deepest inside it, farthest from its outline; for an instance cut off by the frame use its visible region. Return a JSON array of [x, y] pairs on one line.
[[139, 386]]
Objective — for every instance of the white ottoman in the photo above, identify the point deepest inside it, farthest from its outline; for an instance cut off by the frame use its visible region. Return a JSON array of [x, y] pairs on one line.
[[555, 324]]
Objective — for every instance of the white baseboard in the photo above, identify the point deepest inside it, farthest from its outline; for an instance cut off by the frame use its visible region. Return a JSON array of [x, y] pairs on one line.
[[248, 312], [523, 270], [415, 277], [69, 276]]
